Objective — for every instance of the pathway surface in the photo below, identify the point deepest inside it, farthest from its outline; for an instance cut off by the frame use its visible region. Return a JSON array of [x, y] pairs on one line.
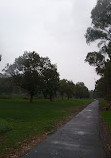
[[79, 138]]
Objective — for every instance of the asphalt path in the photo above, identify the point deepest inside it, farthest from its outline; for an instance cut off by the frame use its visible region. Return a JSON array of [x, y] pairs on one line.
[[79, 138]]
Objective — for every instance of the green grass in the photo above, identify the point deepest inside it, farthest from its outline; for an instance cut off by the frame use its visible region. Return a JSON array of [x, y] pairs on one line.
[[20, 120], [106, 115], [4, 126]]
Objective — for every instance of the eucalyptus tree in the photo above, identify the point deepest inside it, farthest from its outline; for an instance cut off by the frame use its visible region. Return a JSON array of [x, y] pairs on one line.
[[62, 88], [34, 74], [49, 78], [101, 33], [25, 72], [81, 91], [66, 88]]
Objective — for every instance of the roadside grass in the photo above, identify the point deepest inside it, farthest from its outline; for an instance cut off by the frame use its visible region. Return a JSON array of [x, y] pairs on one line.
[[4, 126], [20, 120], [106, 115]]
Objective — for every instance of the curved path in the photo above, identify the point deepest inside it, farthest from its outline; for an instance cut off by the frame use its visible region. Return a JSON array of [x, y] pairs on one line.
[[79, 138]]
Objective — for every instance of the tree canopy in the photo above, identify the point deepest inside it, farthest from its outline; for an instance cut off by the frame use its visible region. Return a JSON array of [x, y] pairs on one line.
[[81, 90], [36, 75], [69, 89], [31, 72], [101, 32], [49, 78]]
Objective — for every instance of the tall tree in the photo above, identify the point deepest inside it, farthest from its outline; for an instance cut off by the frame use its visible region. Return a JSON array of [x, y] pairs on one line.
[[25, 72], [100, 32], [34, 74], [49, 78], [103, 85]]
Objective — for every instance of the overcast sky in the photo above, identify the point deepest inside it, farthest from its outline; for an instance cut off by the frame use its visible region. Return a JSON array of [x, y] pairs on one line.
[[53, 28]]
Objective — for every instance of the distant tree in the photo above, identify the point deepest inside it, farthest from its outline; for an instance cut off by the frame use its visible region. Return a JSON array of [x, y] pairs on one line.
[[6, 85], [91, 93], [70, 89], [81, 90], [62, 87], [49, 78], [66, 88], [25, 72], [95, 94]]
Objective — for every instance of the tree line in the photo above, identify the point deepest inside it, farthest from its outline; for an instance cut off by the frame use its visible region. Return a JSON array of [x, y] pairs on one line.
[[101, 33], [36, 75]]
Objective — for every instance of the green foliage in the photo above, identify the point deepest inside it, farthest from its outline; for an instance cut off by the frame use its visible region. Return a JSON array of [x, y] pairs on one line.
[[81, 90], [66, 88], [30, 121], [33, 73], [62, 87], [37, 76], [101, 32], [69, 89], [106, 115], [4, 126], [101, 14], [7, 86], [107, 118], [94, 34], [101, 28], [104, 83], [96, 59], [25, 72], [49, 79]]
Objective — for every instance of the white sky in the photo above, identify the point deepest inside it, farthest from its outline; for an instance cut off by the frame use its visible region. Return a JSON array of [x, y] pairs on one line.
[[53, 28]]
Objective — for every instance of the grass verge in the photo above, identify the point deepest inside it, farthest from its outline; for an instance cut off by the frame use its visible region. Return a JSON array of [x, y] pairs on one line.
[[106, 115], [26, 123], [4, 126], [105, 127]]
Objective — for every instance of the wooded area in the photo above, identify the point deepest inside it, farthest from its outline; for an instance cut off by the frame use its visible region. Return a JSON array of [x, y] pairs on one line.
[[36, 76]]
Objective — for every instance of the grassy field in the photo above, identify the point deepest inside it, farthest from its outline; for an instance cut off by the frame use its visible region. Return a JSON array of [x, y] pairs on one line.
[[20, 120], [106, 115]]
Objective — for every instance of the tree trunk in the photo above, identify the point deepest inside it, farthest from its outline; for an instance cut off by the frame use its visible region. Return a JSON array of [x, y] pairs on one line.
[[31, 98]]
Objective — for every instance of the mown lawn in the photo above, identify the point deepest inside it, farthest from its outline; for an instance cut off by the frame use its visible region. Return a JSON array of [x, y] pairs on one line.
[[106, 115], [20, 120]]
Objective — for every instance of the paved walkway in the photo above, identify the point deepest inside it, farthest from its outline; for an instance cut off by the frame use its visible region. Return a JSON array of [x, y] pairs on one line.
[[79, 138]]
